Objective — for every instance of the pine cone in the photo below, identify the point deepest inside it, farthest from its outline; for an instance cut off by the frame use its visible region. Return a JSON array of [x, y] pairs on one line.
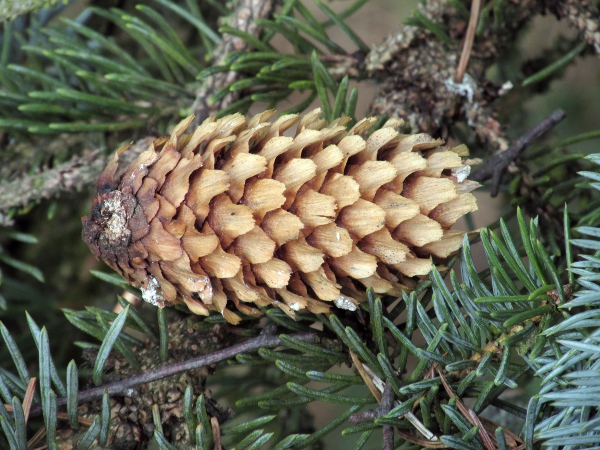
[[238, 212]]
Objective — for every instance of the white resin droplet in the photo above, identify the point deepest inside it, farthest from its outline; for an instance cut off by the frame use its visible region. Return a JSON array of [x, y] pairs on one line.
[[151, 293], [461, 173], [346, 303]]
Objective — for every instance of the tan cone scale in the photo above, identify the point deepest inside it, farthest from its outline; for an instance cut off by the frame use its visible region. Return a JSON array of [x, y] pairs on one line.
[[238, 214]]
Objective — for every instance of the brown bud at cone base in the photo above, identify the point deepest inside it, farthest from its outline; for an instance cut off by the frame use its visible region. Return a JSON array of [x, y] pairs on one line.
[[236, 215]]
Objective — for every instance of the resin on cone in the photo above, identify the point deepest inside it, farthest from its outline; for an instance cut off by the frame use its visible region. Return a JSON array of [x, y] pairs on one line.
[[237, 215]]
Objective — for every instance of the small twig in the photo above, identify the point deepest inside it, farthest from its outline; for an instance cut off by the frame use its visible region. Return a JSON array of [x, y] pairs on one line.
[[469, 38], [387, 398], [123, 387], [495, 166], [430, 440], [70, 176], [387, 401], [243, 18], [388, 438]]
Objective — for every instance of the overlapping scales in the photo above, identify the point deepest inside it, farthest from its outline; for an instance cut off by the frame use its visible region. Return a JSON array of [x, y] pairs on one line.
[[237, 213]]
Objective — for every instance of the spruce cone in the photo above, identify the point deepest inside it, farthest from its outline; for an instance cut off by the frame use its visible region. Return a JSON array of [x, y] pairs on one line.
[[238, 213]]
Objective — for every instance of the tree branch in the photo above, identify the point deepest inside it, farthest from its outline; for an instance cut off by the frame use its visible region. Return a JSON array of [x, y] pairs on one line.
[[495, 166], [122, 387], [73, 175]]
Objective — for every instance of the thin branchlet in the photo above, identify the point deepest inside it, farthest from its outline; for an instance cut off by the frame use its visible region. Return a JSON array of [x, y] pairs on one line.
[[122, 387], [494, 167]]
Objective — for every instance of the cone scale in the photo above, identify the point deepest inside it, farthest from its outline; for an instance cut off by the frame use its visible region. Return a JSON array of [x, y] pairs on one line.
[[237, 215]]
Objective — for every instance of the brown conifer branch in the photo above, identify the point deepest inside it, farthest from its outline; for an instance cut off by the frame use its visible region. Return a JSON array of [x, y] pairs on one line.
[[122, 387], [495, 166], [387, 402], [72, 175], [417, 79]]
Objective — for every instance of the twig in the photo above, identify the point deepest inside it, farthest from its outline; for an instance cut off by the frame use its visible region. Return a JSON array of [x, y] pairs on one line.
[[369, 415], [387, 401], [73, 175], [123, 387], [418, 79], [430, 441], [243, 18], [495, 166], [469, 38]]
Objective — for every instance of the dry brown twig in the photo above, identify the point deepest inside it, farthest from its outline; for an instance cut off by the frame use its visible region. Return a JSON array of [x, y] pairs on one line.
[[429, 440], [469, 38], [265, 340], [386, 400], [419, 78], [494, 167], [417, 73]]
